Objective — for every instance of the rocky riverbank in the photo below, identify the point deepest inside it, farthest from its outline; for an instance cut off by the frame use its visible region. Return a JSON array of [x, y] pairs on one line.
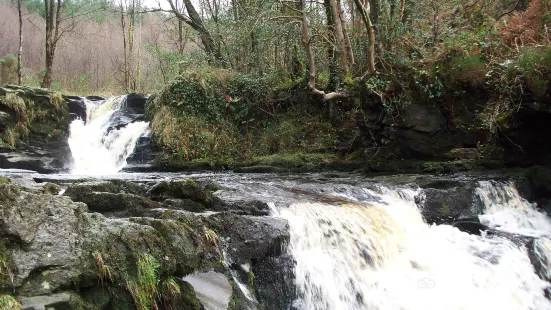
[[120, 245]]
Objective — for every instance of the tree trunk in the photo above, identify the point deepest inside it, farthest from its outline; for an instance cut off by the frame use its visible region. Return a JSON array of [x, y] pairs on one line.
[[347, 45], [370, 35], [374, 18], [340, 52], [52, 14], [125, 50], [332, 55], [20, 52], [310, 57]]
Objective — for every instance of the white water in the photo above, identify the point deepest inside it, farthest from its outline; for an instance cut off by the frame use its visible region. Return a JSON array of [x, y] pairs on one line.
[[506, 210], [94, 148], [381, 255]]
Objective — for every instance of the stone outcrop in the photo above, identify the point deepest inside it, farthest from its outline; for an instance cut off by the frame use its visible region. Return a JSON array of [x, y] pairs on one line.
[[67, 254]]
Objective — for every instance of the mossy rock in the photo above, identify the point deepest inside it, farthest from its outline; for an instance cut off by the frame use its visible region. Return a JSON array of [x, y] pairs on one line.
[[4, 180], [184, 189]]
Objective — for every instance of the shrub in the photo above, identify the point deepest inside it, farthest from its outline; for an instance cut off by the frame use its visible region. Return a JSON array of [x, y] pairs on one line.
[[535, 64], [8, 69], [528, 27]]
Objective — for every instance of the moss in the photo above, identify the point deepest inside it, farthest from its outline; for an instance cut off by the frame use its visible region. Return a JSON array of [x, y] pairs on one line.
[[4, 180], [6, 275], [38, 114], [8, 302]]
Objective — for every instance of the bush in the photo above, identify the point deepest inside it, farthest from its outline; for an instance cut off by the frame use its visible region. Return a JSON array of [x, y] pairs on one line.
[[468, 70], [528, 27], [8, 69], [535, 65]]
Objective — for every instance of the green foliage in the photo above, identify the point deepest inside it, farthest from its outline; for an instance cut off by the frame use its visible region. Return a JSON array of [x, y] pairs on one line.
[[6, 274], [7, 302], [535, 64], [4, 180], [468, 70], [144, 288], [8, 69]]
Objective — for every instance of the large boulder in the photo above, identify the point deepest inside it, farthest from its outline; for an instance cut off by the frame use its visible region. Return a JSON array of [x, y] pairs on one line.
[[53, 245], [449, 201], [249, 238]]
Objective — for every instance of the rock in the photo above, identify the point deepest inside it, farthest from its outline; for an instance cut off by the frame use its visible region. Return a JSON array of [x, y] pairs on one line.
[[212, 289], [451, 204], [51, 157], [112, 186], [463, 153], [274, 284], [51, 188], [424, 118], [95, 98], [251, 237], [183, 189], [472, 227], [46, 229], [260, 169], [242, 205], [120, 205], [61, 300], [77, 108], [539, 251], [184, 204]]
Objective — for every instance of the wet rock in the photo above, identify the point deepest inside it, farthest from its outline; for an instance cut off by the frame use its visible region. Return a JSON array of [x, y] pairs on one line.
[[539, 251], [213, 289], [251, 237], [95, 98], [274, 282], [184, 204], [61, 300], [449, 205], [183, 189], [112, 186], [473, 227], [77, 108], [260, 169], [121, 205], [242, 205]]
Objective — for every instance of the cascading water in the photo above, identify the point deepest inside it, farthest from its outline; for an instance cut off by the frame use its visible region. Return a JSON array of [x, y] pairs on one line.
[[96, 147], [374, 251]]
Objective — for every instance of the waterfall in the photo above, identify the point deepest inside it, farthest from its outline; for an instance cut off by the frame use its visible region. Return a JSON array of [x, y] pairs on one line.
[[373, 250], [506, 210], [96, 147]]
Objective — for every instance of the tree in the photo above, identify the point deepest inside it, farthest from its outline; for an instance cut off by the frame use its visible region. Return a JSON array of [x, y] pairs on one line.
[[20, 51], [52, 9], [194, 20]]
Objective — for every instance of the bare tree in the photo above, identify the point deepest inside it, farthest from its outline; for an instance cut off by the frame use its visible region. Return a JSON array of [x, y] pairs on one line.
[[53, 34], [20, 52]]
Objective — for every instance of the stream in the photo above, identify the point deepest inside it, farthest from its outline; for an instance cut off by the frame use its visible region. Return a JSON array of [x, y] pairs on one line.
[[361, 242]]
